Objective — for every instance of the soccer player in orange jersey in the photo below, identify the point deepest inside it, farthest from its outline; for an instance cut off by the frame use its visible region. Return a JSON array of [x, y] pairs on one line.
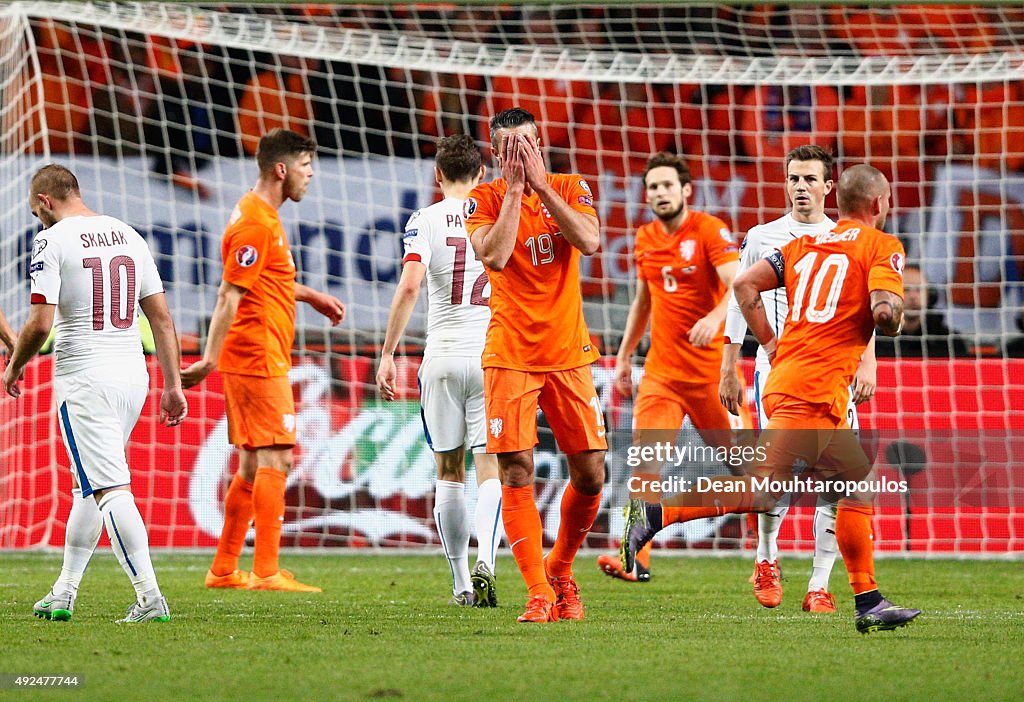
[[250, 341], [685, 261], [529, 228], [841, 285]]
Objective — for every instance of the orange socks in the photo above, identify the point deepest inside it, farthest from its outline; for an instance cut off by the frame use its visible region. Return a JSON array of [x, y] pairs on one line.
[[525, 536], [237, 515], [643, 556], [578, 514], [268, 505], [671, 515], [853, 532]]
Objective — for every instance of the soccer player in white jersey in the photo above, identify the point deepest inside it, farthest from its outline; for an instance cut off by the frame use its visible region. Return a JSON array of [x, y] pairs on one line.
[[808, 183], [91, 273], [451, 378]]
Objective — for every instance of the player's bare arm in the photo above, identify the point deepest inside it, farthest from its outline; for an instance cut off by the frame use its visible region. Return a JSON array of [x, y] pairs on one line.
[[887, 311], [173, 406], [228, 297], [494, 243], [402, 305], [636, 326], [581, 230], [748, 287], [327, 305], [7, 335], [866, 378], [706, 328], [33, 336], [730, 391]]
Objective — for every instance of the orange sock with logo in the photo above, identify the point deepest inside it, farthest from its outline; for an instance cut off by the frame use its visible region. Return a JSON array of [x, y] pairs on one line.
[[237, 515], [578, 514], [525, 535], [268, 505], [853, 533]]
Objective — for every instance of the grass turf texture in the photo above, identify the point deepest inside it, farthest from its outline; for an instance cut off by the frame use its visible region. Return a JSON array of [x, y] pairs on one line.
[[382, 630]]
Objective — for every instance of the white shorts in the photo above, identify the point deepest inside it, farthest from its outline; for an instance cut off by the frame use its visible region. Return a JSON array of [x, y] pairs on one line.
[[452, 403], [96, 414], [761, 380]]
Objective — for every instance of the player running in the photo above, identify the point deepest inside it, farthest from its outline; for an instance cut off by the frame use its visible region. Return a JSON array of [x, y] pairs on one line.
[[841, 285], [437, 249], [91, 273]]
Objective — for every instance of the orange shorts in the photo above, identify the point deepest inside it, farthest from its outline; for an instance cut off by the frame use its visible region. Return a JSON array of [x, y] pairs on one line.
[[802, 434], [567, 397], [661, 405], [261, 411]]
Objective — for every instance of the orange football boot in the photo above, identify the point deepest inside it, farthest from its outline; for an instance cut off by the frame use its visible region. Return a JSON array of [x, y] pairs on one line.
[[281, 580], [767, 584], [235, 580]]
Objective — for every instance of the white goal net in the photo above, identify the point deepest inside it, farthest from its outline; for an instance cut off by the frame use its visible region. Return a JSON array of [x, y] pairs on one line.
[[157, 109]]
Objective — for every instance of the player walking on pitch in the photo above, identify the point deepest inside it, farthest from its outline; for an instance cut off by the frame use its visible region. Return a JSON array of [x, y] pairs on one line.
[[250, 341], [685, 261], [529, 228], [806, 396], [437, 249], [808, 183], [91, 273]]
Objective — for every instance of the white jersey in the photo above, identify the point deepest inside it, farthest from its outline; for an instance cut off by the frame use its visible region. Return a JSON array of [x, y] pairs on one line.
[[95, 270], [458, 291], [761, 241]]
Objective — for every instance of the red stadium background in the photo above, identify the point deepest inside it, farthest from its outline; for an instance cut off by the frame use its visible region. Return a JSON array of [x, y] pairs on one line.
[[968, 498]]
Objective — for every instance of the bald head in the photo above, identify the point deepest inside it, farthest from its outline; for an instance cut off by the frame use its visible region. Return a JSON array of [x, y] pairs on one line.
[[863, 193]]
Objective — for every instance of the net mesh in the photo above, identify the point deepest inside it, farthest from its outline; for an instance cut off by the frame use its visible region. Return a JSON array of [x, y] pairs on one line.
[[157, 108]]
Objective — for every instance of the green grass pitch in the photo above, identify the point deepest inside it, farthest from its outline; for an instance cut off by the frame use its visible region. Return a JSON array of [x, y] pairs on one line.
[[382, 630]]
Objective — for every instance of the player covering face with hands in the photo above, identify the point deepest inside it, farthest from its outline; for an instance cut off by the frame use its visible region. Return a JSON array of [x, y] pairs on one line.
[[529, 228], [91, 274]]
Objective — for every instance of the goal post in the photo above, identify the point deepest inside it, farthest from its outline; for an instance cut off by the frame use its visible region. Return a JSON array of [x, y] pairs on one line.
[[157, 106]]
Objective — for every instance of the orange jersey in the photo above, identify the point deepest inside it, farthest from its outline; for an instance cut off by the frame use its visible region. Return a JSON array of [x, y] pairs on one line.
[[256, 257], [681, 276], [536, 306], [829, 279]]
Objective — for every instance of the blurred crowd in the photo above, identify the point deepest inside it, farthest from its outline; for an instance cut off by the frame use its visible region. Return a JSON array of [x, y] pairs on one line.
[[180, 103]]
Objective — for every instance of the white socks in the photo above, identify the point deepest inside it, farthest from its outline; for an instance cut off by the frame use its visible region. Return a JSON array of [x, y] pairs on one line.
[[825, 547], [768, 526], [453, 526], [80, 538], [130, 542], [489, 527]]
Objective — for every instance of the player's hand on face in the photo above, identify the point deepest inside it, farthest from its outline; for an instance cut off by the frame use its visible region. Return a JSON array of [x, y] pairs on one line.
[[624, 378], [704, 332], [173, 407], [730, 392], [330, 307], [511, 162], [387, 372], [533, 161], [195, 374], [864, 382]]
